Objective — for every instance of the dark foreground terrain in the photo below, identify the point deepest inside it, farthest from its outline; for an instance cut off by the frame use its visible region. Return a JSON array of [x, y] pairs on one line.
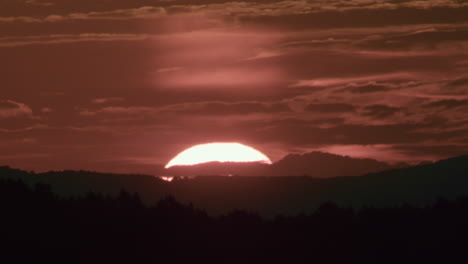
[[270, 196], [409, 215], [37, 226]]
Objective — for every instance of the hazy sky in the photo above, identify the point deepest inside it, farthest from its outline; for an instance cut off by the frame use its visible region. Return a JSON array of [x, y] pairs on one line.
[[120, 85]]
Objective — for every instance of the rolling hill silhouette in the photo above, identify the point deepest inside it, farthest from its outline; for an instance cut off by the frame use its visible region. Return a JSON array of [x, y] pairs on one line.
[[315, 164], [269, 196]]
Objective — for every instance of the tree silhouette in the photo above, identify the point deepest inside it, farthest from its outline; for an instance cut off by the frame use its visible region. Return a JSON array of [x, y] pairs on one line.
[[37, 224]]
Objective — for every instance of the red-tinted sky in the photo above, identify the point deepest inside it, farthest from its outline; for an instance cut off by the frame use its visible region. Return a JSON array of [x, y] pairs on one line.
[[120, 85]]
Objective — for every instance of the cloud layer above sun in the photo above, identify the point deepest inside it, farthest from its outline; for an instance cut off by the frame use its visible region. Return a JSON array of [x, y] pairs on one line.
[[122, 85]]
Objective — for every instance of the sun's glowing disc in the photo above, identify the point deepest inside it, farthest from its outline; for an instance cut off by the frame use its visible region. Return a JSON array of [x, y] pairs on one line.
[[221, 152]]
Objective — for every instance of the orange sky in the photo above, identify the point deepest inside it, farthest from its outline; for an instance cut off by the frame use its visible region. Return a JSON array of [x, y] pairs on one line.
[[122, 85]]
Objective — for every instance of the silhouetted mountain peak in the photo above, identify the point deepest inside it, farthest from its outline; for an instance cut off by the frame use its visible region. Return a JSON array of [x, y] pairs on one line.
[[324, 165], [320, 156], [316, 164], [315, 156]]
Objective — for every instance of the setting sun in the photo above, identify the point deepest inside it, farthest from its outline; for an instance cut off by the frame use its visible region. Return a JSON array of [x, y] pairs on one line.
[[221, 152]]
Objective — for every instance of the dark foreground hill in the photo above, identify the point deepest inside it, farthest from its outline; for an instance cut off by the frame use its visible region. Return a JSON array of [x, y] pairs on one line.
[[270, 196], [39, 227]]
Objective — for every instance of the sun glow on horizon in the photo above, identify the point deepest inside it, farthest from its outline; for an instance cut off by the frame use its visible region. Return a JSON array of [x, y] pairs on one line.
[[167, 178], [221, 152]]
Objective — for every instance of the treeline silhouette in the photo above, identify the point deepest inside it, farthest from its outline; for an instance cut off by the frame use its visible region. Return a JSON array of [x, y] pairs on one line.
[[269, 196], [38, 226]]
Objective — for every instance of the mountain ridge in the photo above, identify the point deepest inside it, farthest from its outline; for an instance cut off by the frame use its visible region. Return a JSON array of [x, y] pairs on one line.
[[316, 164], [417, 185]]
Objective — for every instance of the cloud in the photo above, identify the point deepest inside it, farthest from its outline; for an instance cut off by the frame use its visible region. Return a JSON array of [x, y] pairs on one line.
[[324, 10], [140, 12], [386, 152], [214, 108], [374, 14], [240, 108], [306, 134], [380, 111], [24, 129], [220, 77], [46, 110], [118, 110], [64, 39], [38, 3], [330, 108], [107, 100], [458, 82], [448, 103], [132, 13], [214, 59], [369, 87], [148, 76], [169, 69], [434, 150], [396, 76], [10, 108], [418, 40], [23, 19]]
